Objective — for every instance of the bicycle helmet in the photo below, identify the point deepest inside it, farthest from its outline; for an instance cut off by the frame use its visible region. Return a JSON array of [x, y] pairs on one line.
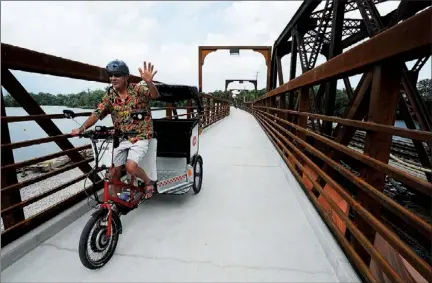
[[117, 66]]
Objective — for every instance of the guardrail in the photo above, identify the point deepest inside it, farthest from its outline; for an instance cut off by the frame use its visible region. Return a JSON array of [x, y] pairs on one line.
[[381, 237], [15, 221]]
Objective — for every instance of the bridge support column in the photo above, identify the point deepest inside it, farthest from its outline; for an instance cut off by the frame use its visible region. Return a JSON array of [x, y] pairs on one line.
[[382, 110]]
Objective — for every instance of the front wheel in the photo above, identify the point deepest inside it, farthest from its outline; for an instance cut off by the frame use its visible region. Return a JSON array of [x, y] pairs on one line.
[[198, 174], [94, 240]]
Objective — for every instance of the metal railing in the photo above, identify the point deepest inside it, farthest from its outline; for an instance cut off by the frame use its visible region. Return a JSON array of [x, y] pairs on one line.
[[14, 219], [381, 236]]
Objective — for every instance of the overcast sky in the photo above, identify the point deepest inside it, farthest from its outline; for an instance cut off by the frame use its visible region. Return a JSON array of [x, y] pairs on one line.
[[165, 33]]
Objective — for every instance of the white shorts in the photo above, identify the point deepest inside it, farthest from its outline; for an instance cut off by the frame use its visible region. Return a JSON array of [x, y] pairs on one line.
[[130, 151]]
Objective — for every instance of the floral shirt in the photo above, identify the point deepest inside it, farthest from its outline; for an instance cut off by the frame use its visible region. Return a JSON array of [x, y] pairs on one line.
[[137, 100]]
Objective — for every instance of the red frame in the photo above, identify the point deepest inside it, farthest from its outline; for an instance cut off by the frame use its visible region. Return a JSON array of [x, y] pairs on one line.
[[107, 197], [131, 203]]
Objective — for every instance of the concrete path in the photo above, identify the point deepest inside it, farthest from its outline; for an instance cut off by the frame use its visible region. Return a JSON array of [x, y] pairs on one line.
[[247, 224]]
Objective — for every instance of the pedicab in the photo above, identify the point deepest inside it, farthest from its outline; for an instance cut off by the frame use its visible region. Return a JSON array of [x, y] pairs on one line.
[[172, 160]]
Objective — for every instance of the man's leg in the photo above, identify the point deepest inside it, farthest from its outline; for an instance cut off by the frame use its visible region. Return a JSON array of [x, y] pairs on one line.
[[119, 159], [136, 154]]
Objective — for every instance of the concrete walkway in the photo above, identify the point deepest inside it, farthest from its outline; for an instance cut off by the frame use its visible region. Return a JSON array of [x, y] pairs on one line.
[[250, 222]]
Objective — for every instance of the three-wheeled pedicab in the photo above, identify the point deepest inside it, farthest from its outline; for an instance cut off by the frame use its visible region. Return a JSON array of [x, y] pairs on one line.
[[172, 160]]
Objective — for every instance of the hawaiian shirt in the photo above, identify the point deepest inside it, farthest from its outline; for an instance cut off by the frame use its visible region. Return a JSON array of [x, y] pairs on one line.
[[120, 110]]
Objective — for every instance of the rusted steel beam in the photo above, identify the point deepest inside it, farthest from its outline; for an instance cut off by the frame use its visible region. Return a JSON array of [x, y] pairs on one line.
[[12, 119], [407, 40], [400, 12], [254, 82], [22, 59], [348, 88], [324, 214], [389, 235], [412, 9], [318, 40], [356, 109], [188, 111], [422, 154], [367, 126], [43, 195], [382, 110], [18, 186], [334, 50], [319, 97], [35, 141], [33, 161], [302, 14], [188, 116], [203, 51], [279, 70], [419, 64], [293, 69], [421, 112], [375, 26], [371, 16], [416, 183], [406, 215], [8, 177], [31, 223], [389, 271], [18, 92], [307, 64], [282, 105], [303, 107]]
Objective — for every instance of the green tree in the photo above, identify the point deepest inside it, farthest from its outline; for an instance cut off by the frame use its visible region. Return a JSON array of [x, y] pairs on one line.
[[424, 88]]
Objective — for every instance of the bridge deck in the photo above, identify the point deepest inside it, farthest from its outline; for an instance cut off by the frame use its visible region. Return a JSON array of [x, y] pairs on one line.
[[250, 222]]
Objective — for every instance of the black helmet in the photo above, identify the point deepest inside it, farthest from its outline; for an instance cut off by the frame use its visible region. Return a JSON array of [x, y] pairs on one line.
[[117, 66]]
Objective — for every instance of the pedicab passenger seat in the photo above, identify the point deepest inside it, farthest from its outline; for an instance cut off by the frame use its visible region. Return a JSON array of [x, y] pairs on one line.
[[174, 136]]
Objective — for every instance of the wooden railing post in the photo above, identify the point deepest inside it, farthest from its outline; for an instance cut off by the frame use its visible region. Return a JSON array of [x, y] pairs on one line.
[[168, 111], [189, 109]]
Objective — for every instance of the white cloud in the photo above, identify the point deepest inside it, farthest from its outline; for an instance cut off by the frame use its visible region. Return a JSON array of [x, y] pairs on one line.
[[165, 33]]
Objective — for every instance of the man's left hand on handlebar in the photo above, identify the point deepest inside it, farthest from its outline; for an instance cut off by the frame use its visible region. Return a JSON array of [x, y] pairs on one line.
[[77, 131]]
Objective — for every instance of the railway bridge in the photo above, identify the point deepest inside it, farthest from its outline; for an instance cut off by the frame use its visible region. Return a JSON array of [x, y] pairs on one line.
[[291, 191]]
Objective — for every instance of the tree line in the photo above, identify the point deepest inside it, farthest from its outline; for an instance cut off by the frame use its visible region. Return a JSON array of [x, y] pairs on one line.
[[85, 99], [89, 99]]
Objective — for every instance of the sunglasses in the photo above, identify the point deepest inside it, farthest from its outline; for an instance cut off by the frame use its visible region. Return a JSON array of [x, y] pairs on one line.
[[116, 75]]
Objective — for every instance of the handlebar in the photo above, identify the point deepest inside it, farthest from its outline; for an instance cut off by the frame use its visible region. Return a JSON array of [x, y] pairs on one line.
[[103, 132]]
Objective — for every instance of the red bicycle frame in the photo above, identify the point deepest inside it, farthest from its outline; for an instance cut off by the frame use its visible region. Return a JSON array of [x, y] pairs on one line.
[[108, 197]]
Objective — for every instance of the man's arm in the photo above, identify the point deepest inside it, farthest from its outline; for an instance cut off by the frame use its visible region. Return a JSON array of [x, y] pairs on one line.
[[89, 122], [147, 81], [100, 112], [148, 89], [154, 93]]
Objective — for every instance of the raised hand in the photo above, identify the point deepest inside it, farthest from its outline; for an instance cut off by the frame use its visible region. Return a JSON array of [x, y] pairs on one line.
[[147, 74]]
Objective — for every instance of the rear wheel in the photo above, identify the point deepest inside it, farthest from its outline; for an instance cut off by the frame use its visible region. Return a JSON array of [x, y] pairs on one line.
[[198, 174], [94, 240]]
